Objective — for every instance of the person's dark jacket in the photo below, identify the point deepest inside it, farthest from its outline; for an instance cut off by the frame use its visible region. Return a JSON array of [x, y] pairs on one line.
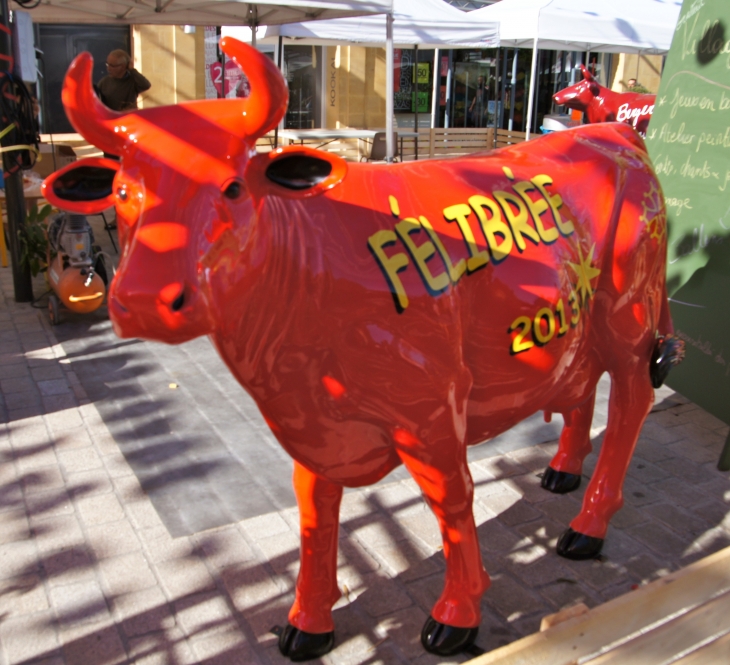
[[121, 94]]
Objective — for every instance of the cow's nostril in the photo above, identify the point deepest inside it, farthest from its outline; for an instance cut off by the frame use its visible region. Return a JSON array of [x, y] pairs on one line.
[[177, 304]]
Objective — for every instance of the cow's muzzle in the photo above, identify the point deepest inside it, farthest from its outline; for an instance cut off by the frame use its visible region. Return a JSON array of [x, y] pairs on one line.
[[173, 314]]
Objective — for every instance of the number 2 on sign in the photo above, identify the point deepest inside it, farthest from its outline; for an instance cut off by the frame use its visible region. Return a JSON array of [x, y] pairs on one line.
[[543, 327]]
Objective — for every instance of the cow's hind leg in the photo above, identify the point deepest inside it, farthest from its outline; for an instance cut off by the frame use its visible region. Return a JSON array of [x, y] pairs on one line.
[[631, 400], [441, 471], [310, 633], [563, 473]]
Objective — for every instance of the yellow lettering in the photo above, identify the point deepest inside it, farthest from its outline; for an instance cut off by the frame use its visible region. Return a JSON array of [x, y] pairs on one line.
[[555, 201], [544, 314], [390, 265], [537, 208], [421, 254], [493, 226], [560, 312], [574, 309], [458, 213], [394, 207], [455, 271], [517, 220]]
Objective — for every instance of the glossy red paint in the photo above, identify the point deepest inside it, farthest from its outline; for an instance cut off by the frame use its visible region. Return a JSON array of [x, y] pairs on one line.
[[603, 105], [394, 314]]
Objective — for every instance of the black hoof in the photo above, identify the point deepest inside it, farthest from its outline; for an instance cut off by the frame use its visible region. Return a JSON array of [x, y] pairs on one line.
[[559, 482], [299, 646], [578, 546], [668, 352], [443, 640]]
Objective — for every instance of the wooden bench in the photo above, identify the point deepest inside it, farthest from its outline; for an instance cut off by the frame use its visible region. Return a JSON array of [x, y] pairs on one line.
[[683, 618], [457, 141], [507, 137]]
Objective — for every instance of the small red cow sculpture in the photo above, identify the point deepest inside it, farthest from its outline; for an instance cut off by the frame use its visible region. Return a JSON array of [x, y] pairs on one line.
[[387, 315], [603, 105]]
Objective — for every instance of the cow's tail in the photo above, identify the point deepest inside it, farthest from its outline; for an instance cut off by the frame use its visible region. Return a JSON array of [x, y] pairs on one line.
[[668, 348]]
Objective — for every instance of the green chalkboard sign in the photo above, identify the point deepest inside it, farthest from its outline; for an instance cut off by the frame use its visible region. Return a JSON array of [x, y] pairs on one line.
[[689, 142]]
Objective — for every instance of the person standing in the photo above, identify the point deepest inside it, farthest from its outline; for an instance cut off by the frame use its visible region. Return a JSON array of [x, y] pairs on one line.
[[634, 86], [478, 107], [123, 83]]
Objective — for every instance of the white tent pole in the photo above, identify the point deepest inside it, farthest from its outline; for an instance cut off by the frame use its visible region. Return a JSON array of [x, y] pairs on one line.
[[253, 20], [389, 110], [447, 111], [513, 88], [533, 72], [436, 89], [323, 85]]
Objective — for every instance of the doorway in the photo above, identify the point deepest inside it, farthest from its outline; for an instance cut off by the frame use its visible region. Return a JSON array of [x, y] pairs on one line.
[[60, 44]]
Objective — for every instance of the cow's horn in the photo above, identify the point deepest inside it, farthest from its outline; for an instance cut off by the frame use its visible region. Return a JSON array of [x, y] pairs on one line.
[[586, 72], [266, 104], [89, 117]]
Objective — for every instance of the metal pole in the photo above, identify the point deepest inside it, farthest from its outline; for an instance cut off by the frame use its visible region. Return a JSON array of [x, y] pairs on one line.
[[15, 205], [279, 54], [436, 96], [533, 71], [14, 199], [466, 98], [513, 86], [447, 113], [253, 20], [389, 63], [222, 60], [503, 89], [497, 102], [575, 59], [415, 88]]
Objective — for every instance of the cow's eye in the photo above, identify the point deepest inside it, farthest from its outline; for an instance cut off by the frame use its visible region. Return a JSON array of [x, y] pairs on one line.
[[122, 194], [233, 190]]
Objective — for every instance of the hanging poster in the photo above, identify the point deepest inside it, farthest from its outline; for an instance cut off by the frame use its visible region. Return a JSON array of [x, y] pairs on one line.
[[423, 106], [403, 82], [423, 71]]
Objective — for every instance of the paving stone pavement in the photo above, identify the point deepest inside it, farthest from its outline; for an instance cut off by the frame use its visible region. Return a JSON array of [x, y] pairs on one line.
[[136, 529]]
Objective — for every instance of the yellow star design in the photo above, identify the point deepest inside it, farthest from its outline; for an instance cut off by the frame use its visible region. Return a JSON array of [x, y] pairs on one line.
[[654, 215], [586, 272]]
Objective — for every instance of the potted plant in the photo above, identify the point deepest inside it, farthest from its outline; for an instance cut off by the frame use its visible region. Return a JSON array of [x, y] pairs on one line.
[[33, 239]]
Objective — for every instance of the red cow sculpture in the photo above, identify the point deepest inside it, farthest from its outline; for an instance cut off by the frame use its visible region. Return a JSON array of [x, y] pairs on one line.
[[390, 314], [603, 105]]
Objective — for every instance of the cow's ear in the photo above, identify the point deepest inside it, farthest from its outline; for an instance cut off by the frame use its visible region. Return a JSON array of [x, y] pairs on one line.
[[84, 187], [294, 172]]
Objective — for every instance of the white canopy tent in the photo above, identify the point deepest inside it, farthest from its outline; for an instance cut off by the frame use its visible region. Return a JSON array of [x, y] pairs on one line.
[[427, 23], [200, 12], [608, 26], [430, 24]]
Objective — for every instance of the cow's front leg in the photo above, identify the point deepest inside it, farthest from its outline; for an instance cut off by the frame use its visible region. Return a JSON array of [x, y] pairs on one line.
[[439, 467], [310, 633], [632, 397], [563, 473]]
